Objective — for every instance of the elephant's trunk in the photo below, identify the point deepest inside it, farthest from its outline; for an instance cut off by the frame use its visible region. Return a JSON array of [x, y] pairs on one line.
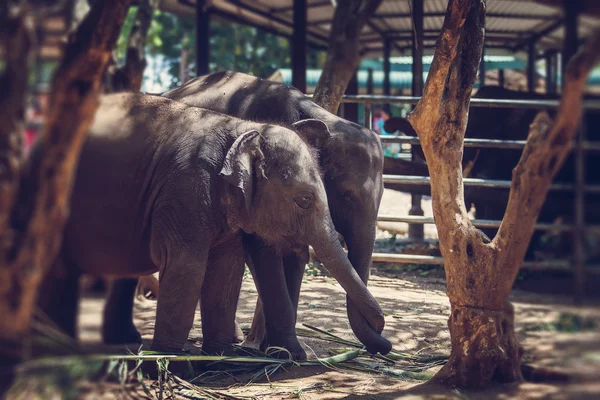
[[360, 251], [368, 321]]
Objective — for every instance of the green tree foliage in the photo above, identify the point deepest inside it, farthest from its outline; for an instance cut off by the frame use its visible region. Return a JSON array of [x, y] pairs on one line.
[[233, 47]]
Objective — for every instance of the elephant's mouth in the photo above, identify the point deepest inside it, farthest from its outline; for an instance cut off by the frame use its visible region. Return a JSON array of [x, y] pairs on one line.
[[293, 244]]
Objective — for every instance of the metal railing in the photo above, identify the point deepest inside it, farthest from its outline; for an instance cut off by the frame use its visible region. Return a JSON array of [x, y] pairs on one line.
[[580, 147]]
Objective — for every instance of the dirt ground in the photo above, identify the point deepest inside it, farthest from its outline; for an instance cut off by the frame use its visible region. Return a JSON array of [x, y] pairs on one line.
[[417, 311]]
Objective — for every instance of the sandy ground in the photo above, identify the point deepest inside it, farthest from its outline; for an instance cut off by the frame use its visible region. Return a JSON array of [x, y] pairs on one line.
[[399, 204], [417, 311]]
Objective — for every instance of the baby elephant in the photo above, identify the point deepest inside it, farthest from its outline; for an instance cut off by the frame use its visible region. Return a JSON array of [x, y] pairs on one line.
[[165, 187]]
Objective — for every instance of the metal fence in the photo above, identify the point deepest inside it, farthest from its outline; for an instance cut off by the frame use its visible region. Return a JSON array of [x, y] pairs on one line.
[[580, 147]]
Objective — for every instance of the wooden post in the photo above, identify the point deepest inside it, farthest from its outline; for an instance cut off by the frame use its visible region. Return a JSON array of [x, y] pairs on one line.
[[387, 67], [501, 77], [202, 37], [551, 72], [571, 13], [298, 46], [370, 81], [416, 233], [482, 67], [531, 73]]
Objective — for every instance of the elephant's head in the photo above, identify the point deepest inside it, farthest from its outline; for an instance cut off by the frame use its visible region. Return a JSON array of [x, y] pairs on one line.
[[277, 175], [352, 161]]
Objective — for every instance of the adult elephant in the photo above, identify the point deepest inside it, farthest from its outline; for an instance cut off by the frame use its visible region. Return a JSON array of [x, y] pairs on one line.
[[162, 186], [351, 158]]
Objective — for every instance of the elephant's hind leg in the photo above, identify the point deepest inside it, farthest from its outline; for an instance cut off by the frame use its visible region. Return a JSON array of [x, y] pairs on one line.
[[117, 326], [59, 296]]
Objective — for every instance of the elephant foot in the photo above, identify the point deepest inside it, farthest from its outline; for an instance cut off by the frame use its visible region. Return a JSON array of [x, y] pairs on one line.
[[283, 348], [238, 336], [124, 334]]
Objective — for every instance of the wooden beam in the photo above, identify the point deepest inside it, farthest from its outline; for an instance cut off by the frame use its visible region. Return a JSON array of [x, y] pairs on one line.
[[538, 35], [291, 8], [570, 44], [202, 37], [482, 67], [551, 72], [387, 66], [531, 73], [298, 46], [416, 232]]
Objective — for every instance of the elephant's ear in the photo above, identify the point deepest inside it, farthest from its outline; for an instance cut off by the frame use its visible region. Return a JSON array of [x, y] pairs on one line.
[[313, 132], [242, 162]]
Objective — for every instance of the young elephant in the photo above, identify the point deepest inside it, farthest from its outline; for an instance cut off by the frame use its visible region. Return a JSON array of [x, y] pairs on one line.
[[351, 158], [168, 187]]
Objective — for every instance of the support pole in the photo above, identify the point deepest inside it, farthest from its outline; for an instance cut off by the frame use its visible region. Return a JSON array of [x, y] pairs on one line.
[[501, 78], [570, 45], [370, 81], [351, 109], [531, 66], [551, 72], [416, 232], [202, 37], [299, 46], [482, 68], [387, 46]]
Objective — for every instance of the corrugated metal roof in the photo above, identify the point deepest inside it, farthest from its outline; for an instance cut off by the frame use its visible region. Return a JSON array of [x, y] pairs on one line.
[[509, 23]]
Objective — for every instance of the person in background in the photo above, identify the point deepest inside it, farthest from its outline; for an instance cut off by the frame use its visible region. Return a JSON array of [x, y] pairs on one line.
[[34, 120], [379, 118]]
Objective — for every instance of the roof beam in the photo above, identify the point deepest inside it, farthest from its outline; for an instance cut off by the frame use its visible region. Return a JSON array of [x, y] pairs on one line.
[[489, 38], [309, 5], [537, 36], [438, 14]]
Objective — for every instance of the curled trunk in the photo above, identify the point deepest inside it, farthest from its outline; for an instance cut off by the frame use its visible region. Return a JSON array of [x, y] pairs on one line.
[[367, 322]]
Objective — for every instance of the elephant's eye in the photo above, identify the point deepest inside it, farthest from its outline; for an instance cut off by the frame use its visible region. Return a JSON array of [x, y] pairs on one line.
[[349, 197], [304, 200]]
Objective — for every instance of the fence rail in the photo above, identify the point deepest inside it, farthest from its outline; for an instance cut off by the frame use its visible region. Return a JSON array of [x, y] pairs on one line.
[[581, 146]]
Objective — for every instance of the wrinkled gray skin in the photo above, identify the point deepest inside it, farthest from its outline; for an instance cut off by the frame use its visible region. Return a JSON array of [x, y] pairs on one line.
[[166, 187], [351, 159]]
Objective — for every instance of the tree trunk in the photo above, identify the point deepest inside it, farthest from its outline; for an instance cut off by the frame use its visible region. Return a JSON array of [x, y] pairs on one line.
[[32, 225], [129, 77], [343, 55], [479, 272]]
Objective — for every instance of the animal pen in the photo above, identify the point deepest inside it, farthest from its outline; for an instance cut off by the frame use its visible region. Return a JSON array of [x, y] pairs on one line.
[[579, 228]]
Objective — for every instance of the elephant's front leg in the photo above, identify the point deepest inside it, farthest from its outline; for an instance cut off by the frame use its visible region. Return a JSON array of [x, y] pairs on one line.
[[278, 308], [294, 264], [220, 295], [182, 266]]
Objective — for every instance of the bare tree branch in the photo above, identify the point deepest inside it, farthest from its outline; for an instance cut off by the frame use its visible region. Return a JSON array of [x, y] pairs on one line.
[[129, 77], [547, 147]]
